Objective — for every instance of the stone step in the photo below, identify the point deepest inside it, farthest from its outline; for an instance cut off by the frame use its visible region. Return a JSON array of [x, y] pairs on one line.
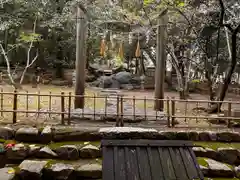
[[46, 170], [63, 133], [227, 155], [19, 152], [217, 169]]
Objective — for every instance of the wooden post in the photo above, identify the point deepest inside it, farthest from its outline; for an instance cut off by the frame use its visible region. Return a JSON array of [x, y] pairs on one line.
[[117, 120], [14, 118], [173, 111], [80, 58], [160, 60], [62, 107], [69, 107], [121, 122], [168, 112], [229, 114]]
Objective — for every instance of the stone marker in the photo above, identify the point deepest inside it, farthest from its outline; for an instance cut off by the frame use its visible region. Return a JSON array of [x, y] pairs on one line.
[[30, 170]]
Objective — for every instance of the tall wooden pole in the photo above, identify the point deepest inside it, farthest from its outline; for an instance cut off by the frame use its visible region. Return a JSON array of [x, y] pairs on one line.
[[160, 61], [80, 58]]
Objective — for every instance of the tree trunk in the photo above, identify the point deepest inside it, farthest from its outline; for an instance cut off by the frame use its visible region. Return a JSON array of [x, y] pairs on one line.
[[227, 80]]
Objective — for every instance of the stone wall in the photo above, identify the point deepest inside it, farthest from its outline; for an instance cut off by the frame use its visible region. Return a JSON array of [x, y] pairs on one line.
[[70, 159]]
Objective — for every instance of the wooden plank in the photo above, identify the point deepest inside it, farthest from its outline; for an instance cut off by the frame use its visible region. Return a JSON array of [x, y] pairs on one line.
[[131, 164], [144, 168], [166, 163], [119, 164], [108, 164], [191, 172], [155, 163], [177, 162], [145, 142], [196, 165]]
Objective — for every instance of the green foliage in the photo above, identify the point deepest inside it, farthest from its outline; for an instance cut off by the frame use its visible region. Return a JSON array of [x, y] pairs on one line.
[[196, 81], [29, 37]]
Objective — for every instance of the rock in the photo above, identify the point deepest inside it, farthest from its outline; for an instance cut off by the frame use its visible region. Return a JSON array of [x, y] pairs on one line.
[[76, 134], [59, 171], [5, 175], [115, 84], [60, 82], [46, 153], [31, 169], [204, 170], [128, 132], [46, 135], [3, 157], [33, 150], [217, 169], [18, 152], [228, 137], [91, 171], [123, 77], [89, 151], [127, 86], [204, 136], [27, 134], [236, 170], [205, 152], [104, 81], [68, 152], [212, 136], [169, 135], [193, 136], [6, 133], [182, 135], [229, 155]]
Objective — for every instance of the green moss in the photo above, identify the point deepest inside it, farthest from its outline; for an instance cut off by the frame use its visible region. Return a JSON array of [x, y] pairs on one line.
[[216, 145], [75, 163], [77, 143], [202, 162]]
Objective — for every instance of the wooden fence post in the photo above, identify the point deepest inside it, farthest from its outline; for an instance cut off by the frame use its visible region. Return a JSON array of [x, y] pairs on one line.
[[1, 102], [62, 107], [117, 120], [69, 107], [229, 114], [168, 112], [121, 123], [14, 118], [173, 111]]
